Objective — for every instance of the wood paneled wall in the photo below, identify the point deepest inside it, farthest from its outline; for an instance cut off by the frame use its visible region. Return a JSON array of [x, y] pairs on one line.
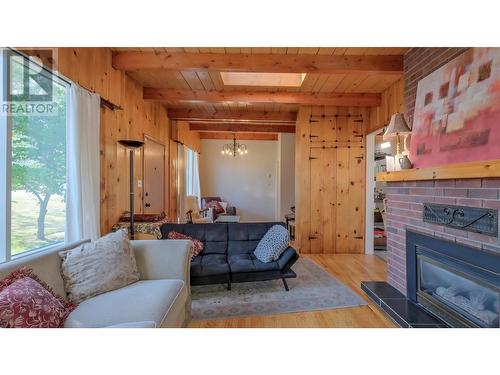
[[174, 183], [392, 102], [91, 68], [182, 133], [330, 179]]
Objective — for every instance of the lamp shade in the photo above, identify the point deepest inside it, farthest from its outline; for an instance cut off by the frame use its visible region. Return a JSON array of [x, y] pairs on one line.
[[191, 202], [130, 143], [397, 125]]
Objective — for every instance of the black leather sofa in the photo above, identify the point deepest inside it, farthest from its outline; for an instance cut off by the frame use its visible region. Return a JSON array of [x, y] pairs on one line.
[[227, 255]]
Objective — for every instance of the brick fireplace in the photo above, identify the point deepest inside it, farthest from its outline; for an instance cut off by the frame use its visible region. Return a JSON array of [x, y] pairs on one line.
[[404, 211], [408, 296]]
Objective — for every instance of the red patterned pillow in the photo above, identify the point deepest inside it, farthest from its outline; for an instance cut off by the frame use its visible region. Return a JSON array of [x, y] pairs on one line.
[[198, 245], [27, 302], [218, 209]]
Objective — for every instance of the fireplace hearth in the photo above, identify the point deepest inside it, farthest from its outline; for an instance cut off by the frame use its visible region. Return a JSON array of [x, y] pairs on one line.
[[458, 284]]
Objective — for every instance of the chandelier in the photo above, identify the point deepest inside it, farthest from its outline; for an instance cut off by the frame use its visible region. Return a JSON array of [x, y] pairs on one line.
[[234, 148]]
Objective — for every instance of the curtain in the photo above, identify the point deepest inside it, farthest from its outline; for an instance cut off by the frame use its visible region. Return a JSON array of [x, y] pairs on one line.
[[196, 176], [193, 175], [82, 165], [188, 179], [181, 183]]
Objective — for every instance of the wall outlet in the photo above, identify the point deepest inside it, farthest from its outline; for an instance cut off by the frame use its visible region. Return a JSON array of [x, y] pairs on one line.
[[139, 184]]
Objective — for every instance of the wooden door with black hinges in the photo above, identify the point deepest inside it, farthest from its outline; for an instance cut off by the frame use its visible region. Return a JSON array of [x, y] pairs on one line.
[[154, 176], [330, 180]]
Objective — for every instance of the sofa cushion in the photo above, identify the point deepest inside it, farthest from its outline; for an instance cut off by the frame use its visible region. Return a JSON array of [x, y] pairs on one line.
[[272, 244], [209, 265], [45, 264], [145, 300], [213, 236], [98, 267], [249, 263], [248, 231], [27, 302], [243, 238]]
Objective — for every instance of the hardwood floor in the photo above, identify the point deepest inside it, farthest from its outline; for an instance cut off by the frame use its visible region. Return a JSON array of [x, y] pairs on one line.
[[349, 269]]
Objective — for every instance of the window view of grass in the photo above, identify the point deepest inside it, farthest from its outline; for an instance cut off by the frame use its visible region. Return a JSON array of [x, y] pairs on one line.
[[38, 182], [25, 208]]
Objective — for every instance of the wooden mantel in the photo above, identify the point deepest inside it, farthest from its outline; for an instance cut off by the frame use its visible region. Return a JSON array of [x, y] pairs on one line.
[[481, 169]]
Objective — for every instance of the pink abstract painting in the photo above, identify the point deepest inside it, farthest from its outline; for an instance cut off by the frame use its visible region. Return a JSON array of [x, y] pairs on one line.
[[457, 111]]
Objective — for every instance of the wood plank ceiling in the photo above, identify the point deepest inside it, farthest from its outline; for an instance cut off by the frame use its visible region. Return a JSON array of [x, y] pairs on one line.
[[199, 95]]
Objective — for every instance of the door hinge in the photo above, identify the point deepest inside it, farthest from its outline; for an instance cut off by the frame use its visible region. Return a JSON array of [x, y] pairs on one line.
[[312, 158], [359, 157]]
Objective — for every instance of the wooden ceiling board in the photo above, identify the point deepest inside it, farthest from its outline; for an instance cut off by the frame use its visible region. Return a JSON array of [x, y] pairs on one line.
[[264, 97], [202, 80], [240, 136], [206, 80], [331, 84], [192, 80], [276, 50]]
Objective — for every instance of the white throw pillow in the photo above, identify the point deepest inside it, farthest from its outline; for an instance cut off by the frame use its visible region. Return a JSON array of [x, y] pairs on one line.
[[98, 267]]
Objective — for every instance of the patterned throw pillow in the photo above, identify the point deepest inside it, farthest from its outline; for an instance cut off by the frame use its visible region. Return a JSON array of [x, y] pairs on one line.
[[272, 245], [216, 207], [27, 302], [224, 206], [98, 267], [198, 245]]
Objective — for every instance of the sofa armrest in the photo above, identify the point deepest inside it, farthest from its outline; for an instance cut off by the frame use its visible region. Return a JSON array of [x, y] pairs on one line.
[[163, 259], [287, 259]]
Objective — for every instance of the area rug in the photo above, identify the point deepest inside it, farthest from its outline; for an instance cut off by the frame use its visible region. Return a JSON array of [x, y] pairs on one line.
[[313, 289]]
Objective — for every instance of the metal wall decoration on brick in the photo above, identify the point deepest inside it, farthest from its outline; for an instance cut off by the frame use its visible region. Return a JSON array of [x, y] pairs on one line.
[[472, 219]]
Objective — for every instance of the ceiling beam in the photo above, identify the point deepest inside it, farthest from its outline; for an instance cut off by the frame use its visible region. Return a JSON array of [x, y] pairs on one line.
[[247, 128], [276, 97], [261, 63], [241, 136], [236, 116]]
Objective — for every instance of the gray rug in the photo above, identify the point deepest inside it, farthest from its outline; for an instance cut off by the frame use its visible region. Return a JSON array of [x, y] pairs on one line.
[[313, 289]]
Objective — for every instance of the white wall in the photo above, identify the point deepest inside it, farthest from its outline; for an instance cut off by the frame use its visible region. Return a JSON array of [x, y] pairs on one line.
[[250, 182], [286, 173]]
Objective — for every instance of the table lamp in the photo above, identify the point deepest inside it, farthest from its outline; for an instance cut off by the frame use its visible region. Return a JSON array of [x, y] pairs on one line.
[[397, 126]]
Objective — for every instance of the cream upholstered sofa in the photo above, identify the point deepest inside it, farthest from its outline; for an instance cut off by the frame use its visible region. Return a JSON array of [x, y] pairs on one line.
[[161, 298]]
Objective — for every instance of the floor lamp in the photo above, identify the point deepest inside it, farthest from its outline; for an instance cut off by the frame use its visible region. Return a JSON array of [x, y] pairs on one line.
[[131, 145]]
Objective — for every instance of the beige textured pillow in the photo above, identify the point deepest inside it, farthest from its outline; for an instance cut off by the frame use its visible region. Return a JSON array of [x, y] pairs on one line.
[[98, 267]]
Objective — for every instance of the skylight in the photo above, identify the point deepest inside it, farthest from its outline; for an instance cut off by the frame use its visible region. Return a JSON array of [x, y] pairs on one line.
[[263, 79]]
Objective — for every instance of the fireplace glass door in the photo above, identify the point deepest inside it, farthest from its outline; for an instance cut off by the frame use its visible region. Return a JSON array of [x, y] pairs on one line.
[[460, 298]]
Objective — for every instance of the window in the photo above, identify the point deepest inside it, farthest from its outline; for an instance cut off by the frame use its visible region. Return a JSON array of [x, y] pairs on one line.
[[192, 174], [263, 79], [32, 155]]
